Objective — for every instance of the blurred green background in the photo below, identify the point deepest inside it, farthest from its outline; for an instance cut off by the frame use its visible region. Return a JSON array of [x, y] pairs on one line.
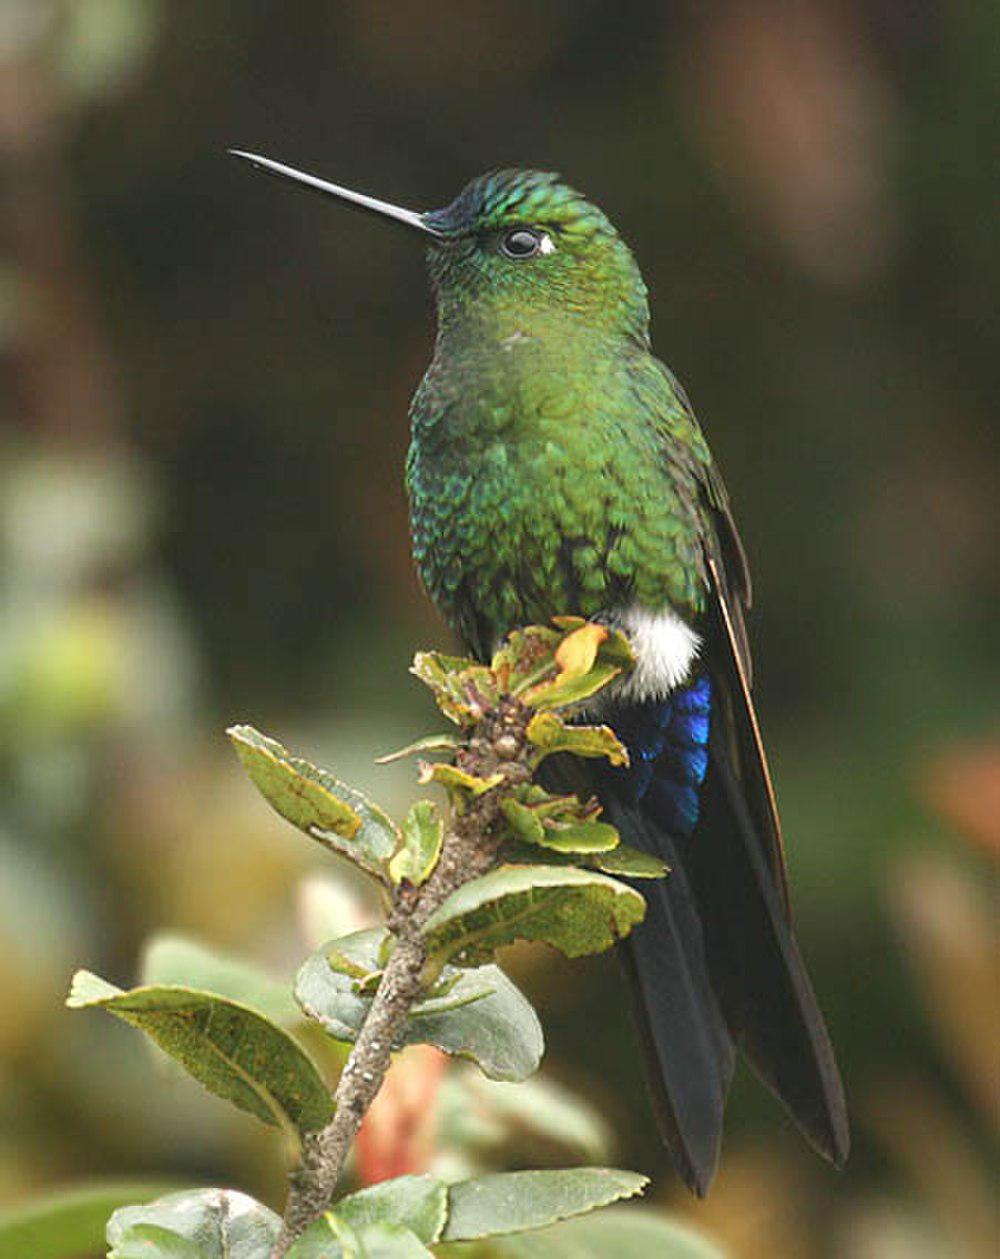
[[202, 427]]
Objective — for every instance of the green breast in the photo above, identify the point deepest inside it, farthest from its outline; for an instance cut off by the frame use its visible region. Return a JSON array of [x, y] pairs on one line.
[[541, 484]]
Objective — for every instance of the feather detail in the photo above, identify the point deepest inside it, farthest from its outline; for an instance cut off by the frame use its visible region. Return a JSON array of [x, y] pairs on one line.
[[665, 648]]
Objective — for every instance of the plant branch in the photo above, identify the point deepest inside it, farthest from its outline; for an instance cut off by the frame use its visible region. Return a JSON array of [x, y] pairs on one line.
[[497, 744]]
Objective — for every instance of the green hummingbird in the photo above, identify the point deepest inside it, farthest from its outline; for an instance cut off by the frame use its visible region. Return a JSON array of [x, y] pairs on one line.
[[556, 467]]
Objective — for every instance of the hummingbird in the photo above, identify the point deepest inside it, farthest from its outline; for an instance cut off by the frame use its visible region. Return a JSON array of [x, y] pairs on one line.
[[556, 467]]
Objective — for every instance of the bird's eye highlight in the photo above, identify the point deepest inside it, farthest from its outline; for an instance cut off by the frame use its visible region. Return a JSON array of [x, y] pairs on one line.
[[525, 242]]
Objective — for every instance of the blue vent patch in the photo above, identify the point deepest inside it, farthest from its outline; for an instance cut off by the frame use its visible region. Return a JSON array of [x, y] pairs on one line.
[[668, 746]]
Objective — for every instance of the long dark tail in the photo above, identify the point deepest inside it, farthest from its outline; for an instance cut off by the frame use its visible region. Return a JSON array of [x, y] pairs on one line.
[[716, 963], [686, 1046]]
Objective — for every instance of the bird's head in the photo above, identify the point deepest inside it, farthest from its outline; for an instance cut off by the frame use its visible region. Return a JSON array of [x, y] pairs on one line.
[[516, 243]]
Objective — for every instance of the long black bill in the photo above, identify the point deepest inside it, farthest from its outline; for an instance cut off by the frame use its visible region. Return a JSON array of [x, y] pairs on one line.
[[371, 204]]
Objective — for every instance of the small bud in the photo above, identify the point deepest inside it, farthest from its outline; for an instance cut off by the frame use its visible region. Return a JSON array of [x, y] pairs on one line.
[[506, 747]]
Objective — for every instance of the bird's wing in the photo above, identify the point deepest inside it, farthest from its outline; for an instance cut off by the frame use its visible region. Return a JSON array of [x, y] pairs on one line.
[[732, 657], [727, 576]]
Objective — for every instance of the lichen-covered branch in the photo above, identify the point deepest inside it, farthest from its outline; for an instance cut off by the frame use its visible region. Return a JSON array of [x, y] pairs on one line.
[[496, 745]]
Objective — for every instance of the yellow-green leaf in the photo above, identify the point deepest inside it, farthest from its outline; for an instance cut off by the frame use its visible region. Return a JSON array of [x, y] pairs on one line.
[[549, 733], [627, 862], [457, 781], [462, 689], [524, 821], [582, 837], [327, 810], [430, 743], [525, 657], [423, 834], [576, 911], [577, 652], [232, 1050]]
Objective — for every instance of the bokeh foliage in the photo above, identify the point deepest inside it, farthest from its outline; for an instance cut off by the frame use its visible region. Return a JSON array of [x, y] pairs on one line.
[[202, 430]]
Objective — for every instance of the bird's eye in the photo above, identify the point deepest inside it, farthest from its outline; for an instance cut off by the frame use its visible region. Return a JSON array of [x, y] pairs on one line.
[[523, 242]]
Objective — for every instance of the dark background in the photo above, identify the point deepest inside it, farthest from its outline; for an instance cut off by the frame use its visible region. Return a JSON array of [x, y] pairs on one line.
[[202, 428]]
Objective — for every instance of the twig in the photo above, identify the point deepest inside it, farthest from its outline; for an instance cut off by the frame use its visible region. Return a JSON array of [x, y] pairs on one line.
[[496, 745]]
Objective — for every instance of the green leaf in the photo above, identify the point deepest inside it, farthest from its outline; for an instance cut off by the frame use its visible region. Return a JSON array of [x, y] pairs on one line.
[[419, 1203], [627, 862], [423, 834], [68, 1221], [463, 689], [577, 911], [327, 810], [233, 1051], [331, 1237], [149, 1241], [621, 1232], [216, 1223], [562, 693], [580, 837], [512, 1202], [531, 825], [170, 958], [483, 1016], [526, 657], [392, 1241], [524, 821], [549, 733], [588, 658], [458, 782], [328, 1238], [430, 743], [621, 862]]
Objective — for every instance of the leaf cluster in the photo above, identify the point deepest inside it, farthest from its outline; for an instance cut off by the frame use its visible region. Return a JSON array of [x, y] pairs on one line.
[[550, 879], [409, 1216]]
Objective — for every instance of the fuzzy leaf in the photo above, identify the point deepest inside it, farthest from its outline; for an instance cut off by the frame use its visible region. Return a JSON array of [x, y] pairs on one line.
[[233, 1051], [423, 834], [575, 910], [329, 811], [622, 1232], [214, 1223], [430, 743], [549, 733], [170, 958], [481, 1014], [512, 1202]]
